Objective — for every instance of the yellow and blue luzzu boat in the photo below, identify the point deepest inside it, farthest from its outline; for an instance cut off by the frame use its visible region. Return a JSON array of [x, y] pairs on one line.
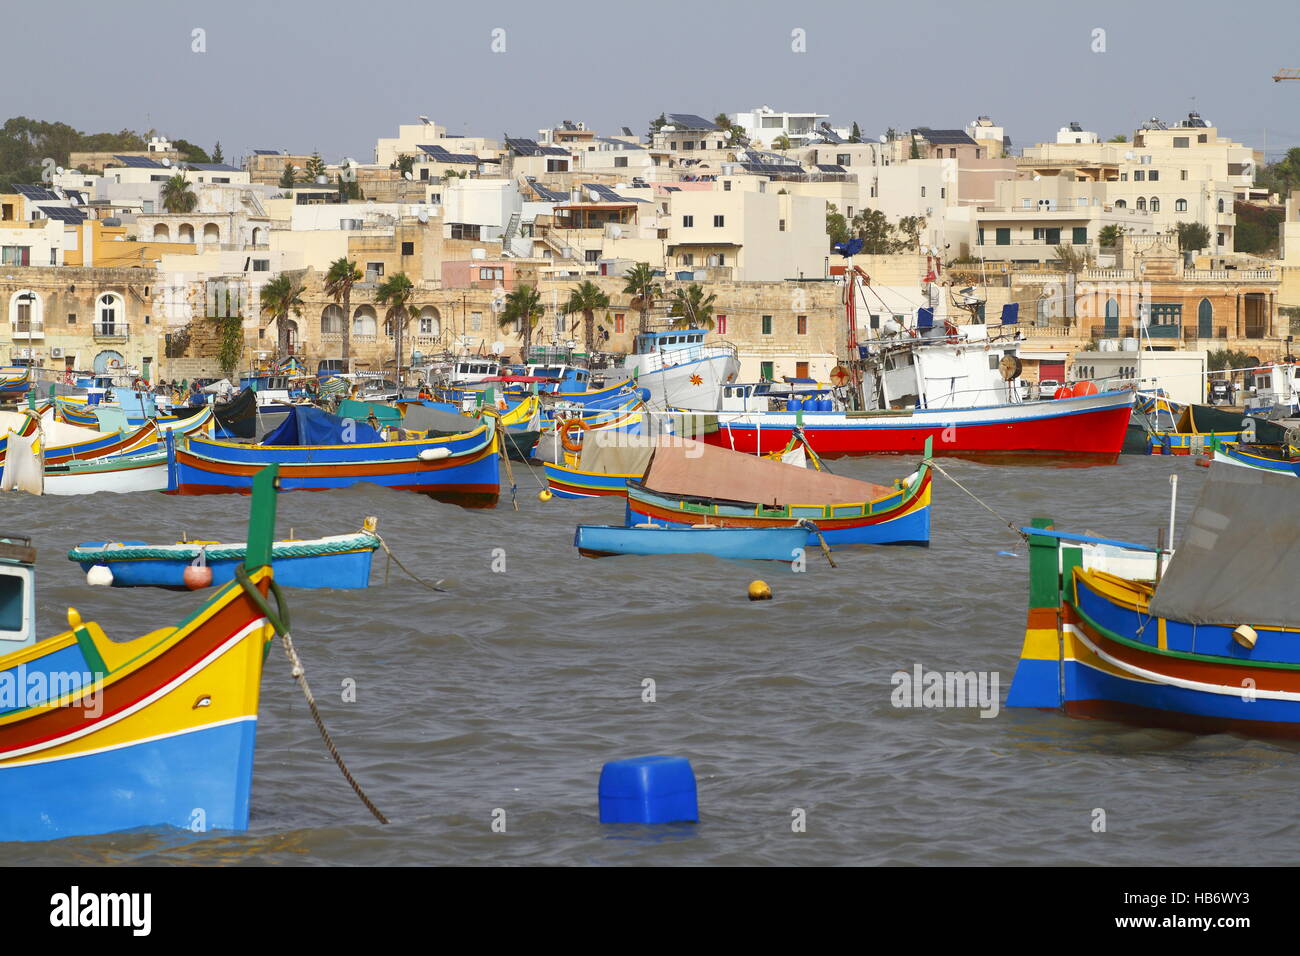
[[98, 736], [14, 381]]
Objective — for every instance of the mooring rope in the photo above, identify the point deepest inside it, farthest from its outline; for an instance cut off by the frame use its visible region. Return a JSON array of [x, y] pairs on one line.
[[300, 675], [979, 501], [810, 526], [411, 574]]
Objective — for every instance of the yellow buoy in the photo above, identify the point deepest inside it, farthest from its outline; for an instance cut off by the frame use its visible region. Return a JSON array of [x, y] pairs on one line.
[[544, 495], [74, 618], [759, 591]]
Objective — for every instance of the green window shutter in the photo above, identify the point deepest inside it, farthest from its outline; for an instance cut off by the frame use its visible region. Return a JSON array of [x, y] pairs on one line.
[[766, 370], [1053, 237], [1080, 235], [1004, 237], [767, 325]]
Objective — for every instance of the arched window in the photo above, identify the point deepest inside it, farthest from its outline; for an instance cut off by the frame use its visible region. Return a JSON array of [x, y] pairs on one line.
[[1205, 320], [1112, 318], [161, 233], [430, 322], [1220, 205], [331, 320], [26, 311], [364, 321], [212, 232], [1155, 204], [1142, 203], [1180, 205], [1121, 204], [110, 315], [185, 232]]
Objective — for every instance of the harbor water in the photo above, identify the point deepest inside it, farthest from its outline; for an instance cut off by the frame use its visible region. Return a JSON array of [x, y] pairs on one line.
[[478, 719]]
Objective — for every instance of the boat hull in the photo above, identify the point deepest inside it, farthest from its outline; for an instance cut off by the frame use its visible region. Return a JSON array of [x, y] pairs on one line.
[[903, 517], [1092, 428], [566, 482], [757, 544]]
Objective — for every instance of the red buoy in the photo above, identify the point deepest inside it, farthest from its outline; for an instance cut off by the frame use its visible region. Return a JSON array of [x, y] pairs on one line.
[[197, 576], [1084, 388], [1063, 391]]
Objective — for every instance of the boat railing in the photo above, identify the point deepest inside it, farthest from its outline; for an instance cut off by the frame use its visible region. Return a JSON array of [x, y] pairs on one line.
[[680, 355]]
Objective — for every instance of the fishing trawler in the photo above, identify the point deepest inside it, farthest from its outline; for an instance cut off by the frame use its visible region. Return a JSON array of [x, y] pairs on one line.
[[681, 369]]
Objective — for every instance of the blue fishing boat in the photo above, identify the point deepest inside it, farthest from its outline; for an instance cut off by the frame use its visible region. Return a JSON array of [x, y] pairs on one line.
[[1281, 458], [1204, 642], [316, 450], [100, 735], [337, 561], [757, 544]]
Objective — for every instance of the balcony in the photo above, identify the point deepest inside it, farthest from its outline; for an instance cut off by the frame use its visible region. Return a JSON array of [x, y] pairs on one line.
[[115, 332], [26, 331]]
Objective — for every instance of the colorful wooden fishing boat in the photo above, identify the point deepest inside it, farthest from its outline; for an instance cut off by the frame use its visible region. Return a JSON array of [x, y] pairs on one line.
[[570, 428], [15, 381], [318, 451], [602, 468], [1199, 426], [98, 735], [1280, 459], [689, 483], [1090, 428], [1209, 645], [757, 544], [337, 561]]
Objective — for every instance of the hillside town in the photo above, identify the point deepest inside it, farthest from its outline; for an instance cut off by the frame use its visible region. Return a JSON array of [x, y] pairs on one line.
[[148, 264]]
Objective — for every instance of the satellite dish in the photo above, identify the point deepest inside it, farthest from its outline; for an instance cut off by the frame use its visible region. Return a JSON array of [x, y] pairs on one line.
[[1037, 177], [498, 304], [616, 232], [1129, 154], [498, 348], [406, 175], [884, 138], [593, 195], [321, 180], [422, 214], [166, 161]]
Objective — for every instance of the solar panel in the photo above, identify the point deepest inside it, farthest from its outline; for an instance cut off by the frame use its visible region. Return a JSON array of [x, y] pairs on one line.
[[830, 168], [947, 137], [34, 192], [549, 195], [214, 168], [524, 147], [266, 152], [828, 134], [690, 121], [138, 162], [441, 155], [77, 195], [771, 169], [63, 213]]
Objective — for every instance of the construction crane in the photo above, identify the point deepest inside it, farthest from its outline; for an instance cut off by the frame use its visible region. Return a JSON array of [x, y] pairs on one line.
[[1286, 74]]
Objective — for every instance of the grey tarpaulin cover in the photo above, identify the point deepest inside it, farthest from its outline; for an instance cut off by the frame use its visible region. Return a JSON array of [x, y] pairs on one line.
[[1239, 560]]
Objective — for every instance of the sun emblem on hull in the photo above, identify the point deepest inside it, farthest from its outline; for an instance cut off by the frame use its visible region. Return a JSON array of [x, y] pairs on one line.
[[697, 380]]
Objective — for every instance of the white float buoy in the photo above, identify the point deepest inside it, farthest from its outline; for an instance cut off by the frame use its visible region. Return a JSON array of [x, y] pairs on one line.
[[1245, 635], [434, 454], [99, 575]]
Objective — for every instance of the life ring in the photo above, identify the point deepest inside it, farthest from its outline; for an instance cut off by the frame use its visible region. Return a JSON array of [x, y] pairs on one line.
[[567, 427]]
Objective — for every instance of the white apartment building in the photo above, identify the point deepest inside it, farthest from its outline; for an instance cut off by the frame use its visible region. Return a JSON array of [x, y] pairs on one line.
[[763, 126]]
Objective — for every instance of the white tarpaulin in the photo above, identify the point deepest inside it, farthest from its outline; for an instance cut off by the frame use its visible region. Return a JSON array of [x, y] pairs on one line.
[[24, 469]]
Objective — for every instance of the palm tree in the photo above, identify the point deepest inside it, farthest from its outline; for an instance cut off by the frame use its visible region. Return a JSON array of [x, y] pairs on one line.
[[643, 286], [281, 296], [523, 305], [396, 292], [587, 298], [177, 195], [692, 309], [342, 275]]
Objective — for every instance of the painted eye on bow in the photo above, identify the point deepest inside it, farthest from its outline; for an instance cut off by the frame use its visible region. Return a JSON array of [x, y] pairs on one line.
[[205, 700]]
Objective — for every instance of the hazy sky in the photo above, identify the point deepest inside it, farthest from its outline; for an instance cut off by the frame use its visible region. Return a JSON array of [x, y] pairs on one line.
[[333, 75]]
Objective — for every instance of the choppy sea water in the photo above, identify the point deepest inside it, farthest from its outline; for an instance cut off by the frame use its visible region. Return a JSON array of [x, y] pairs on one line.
[[509, 692]]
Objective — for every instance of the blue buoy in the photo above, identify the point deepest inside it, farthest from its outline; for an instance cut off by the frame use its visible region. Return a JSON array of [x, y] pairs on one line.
[[648, 790], [794, 405]]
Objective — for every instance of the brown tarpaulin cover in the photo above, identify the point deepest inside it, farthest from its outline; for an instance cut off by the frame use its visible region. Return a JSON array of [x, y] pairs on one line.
[[615, 453], [684, 467]]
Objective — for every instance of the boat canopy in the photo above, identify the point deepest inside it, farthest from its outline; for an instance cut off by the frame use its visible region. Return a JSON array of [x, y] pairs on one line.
[[305, 425], [614, 453], [1237, 561], [691, 468]]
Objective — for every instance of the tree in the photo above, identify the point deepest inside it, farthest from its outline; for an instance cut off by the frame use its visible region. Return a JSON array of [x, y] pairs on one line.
[[1108, 238], [909, 228], [873, 228], [1192, 236], [642, 284], [396, 292], [916, 148], [1118, 138], [587, 298], [1222, 360], [315, 167], [658, 124], [837, 227], [691, 308], [217, 155], [289, 177], [781, 143], [191, 152], [855, 134], [1071, 259], [403, 164], [177, 197], [524, 306], [279, 297], [342, 275]]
